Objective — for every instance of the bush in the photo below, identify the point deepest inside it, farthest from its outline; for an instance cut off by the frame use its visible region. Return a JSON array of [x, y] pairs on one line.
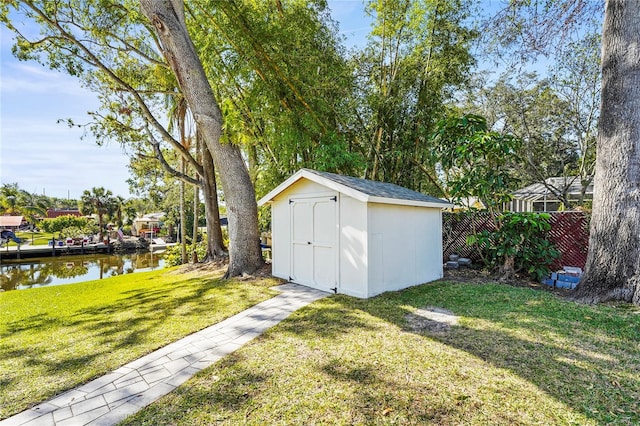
[[173, 255], [65, 222], [519, 244]]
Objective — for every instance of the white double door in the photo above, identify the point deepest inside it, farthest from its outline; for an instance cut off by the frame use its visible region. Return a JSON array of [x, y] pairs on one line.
[[314, 230]]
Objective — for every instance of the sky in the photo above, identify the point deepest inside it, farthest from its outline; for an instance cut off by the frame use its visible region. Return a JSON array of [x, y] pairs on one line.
[[46, 157]]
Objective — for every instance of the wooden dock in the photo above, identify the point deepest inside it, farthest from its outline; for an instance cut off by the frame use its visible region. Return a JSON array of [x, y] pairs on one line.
[[28, 251]]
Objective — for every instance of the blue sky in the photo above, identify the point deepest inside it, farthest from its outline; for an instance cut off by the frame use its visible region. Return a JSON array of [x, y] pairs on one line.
[[44, 156], [36, 152]]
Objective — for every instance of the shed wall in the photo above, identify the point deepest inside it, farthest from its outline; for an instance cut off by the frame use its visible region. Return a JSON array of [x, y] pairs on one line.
[[405, 247], [353, 247]]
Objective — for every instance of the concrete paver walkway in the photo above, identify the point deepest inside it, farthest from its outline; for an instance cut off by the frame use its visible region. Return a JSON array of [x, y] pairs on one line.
[[111, 398]]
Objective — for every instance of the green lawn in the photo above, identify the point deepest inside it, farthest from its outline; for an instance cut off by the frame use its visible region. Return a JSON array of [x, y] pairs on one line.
[[33, 238], [517, 357], [54, 338]]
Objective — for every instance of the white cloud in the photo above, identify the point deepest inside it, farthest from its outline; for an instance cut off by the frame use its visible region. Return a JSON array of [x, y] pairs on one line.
[[28, 78]]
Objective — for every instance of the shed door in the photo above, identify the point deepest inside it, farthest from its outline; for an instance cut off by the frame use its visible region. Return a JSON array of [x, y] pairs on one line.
[[313, 242]]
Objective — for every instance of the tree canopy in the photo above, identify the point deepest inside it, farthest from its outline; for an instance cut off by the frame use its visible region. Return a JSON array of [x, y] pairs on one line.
[[277, 90]]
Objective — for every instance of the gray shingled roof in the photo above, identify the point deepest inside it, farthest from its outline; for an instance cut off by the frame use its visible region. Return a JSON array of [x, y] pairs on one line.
[[378, 189], [535, 191]]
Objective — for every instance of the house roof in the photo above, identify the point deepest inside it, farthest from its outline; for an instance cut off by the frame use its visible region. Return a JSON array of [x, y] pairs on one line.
[[10, 221], [150, 217], [364, 190], [54, 213], [552, 186]]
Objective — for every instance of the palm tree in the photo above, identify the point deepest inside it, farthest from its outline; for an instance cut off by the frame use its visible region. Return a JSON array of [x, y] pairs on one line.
[[9, 196], [33, 206], [100, 202], [179, 117]]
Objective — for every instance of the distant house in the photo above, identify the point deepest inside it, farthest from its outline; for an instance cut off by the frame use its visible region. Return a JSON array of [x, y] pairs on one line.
[[54, 213], [12, 222], [148, 225], [546, 196]]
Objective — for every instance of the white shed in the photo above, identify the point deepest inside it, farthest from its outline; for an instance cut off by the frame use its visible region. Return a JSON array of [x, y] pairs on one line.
[[354, 236]]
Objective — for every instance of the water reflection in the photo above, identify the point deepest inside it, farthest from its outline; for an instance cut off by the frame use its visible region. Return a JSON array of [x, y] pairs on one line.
[[21, 274]]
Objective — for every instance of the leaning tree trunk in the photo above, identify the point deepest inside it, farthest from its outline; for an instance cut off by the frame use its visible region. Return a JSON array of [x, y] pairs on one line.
[[613, 262], [215, 243], [244, 240]]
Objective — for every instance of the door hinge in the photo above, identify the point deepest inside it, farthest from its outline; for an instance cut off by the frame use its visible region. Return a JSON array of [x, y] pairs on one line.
[[290, 201], [290, 279], [334, 198], [335, 290]]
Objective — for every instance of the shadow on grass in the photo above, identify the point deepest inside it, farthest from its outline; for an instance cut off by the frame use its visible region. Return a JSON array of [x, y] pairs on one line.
[[584, 356], [377, 398], [216, 397], [332, 319], [109, 334]]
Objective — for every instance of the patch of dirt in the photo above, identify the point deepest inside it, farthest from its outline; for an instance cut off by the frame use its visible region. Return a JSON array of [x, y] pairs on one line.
[[468, 275], [480, 276], [202, 268], [219, 267], [432, 320]]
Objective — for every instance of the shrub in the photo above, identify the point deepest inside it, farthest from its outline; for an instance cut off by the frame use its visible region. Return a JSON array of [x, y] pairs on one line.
[[173, 255], [518, 244]]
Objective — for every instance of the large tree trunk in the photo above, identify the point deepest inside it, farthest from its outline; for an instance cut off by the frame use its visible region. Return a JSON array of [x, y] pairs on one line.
[[244, 240], [215, 244], [613, 262]]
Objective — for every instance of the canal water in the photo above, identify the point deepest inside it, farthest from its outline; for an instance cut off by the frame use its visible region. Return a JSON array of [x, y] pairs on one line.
[[48, 271]]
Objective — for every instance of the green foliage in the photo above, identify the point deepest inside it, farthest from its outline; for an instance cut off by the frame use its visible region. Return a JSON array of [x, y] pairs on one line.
[[173, 255], [16, 201], [68, 222], [284, 86], [555, 118], [102, 203], [418, 54], [521, 237], [474, 160], [264, 218]]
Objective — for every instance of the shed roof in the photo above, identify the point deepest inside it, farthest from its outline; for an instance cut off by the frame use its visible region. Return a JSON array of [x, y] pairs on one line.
[[364, 190], [552, 186], [10, 220]]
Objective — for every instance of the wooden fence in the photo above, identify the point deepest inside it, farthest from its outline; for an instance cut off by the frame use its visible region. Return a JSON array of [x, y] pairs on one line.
[[569, 233]]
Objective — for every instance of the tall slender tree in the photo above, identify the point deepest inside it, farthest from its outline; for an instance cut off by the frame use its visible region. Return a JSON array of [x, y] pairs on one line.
[[418, 54]]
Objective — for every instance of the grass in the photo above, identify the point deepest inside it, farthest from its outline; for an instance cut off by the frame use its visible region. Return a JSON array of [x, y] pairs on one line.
[[55, 338], [33, 238], [516, 357]]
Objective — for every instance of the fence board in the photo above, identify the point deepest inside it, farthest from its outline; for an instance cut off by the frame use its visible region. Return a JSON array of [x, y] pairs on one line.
[[569, 233]]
